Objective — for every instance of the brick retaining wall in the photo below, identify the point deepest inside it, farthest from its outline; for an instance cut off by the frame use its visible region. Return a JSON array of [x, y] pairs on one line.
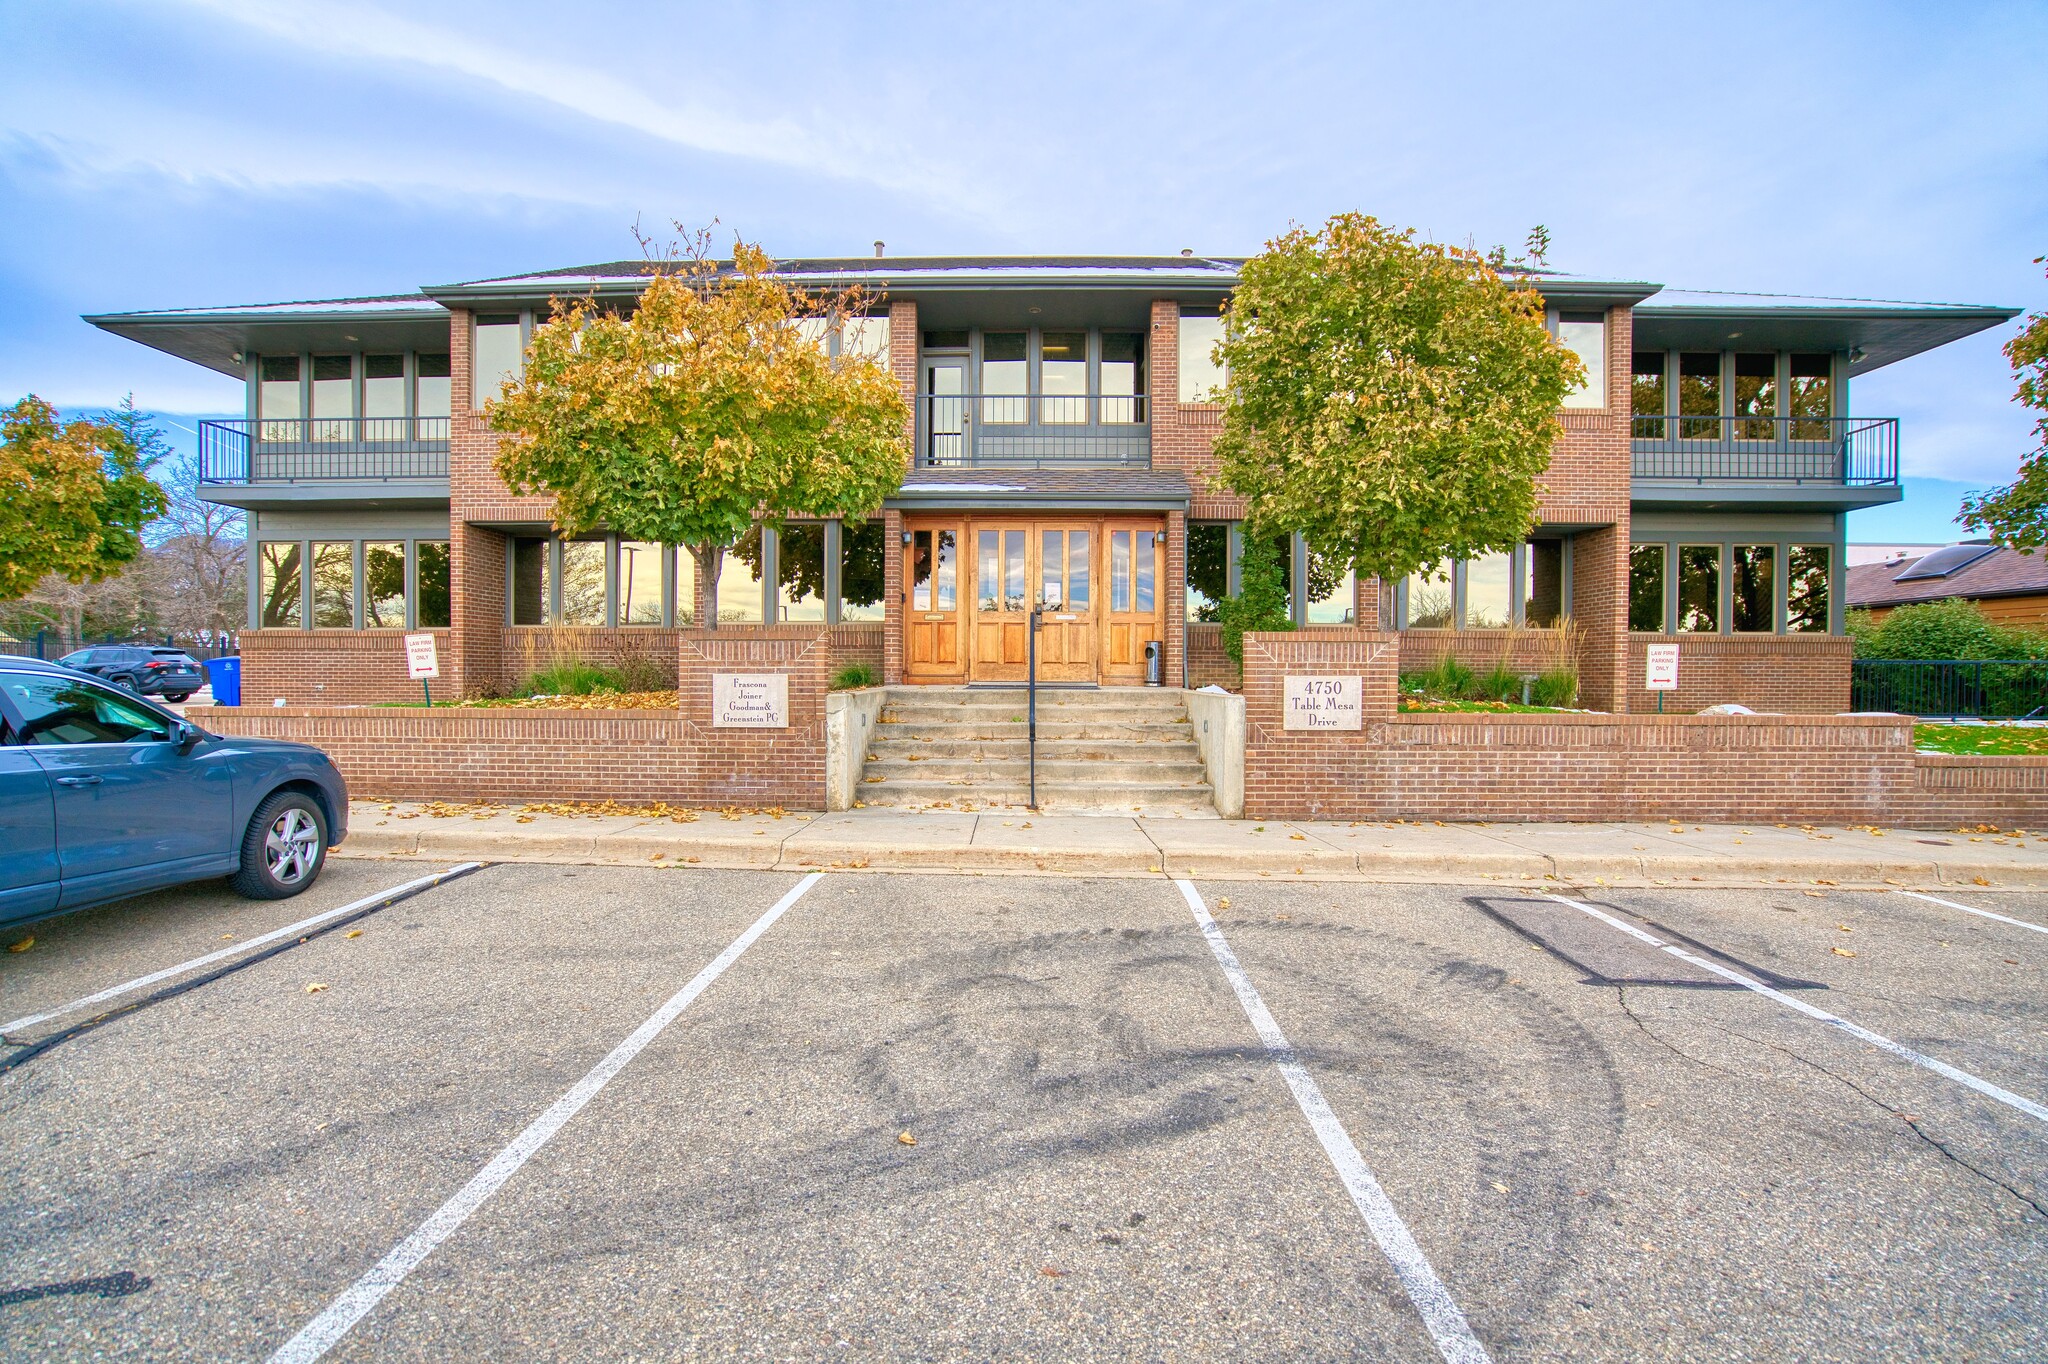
[[331, 667], [1791, 674]]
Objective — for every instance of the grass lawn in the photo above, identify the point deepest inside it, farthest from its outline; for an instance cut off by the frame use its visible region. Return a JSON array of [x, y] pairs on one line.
[[1994, 739]]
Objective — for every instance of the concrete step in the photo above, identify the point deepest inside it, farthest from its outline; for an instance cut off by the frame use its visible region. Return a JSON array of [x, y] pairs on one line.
[[1068, 797], [1095, 772], [1047, 715], [1168, 747]]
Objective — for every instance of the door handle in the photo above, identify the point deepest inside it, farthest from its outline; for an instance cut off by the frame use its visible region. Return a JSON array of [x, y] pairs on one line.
[[79, 781]]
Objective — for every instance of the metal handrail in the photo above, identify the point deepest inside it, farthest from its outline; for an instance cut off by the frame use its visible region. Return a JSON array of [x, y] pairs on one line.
[[1029, 430], [1040, 409], [1842, 451], [292, 449]]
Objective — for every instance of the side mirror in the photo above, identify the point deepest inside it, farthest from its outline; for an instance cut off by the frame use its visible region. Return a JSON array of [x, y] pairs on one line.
[[185, 734]]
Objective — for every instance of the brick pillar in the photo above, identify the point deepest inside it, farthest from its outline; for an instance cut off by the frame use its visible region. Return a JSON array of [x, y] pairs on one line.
[[1173, 595], [476, 636], [903, 363], [1366, 609], [1600, 607], [893, 604], [1162, 367]]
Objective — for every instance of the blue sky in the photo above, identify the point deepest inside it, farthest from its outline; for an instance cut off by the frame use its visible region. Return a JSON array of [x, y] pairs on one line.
[[188, 152]]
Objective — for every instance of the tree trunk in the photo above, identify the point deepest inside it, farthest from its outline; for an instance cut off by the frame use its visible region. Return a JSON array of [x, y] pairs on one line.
[[710, 559]]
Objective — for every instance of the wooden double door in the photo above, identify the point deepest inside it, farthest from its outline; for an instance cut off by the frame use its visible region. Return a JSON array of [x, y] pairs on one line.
[[970, 583]]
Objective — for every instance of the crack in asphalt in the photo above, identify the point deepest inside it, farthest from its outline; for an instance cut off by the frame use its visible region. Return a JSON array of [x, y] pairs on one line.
[[1621, 995], [1912, 1122]]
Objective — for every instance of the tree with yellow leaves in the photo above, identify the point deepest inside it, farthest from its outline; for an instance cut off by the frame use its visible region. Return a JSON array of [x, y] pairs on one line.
[[74, 497]]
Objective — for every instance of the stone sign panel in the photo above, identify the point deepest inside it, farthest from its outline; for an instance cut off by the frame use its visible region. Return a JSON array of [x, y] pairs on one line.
[[750, 700], [1325, 703]]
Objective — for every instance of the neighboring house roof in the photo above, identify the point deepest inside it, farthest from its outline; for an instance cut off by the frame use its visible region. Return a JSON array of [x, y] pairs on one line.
[[1967, 570]]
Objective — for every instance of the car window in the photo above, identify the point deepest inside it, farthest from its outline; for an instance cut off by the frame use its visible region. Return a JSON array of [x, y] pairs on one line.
[[67, 710], [77, 658]]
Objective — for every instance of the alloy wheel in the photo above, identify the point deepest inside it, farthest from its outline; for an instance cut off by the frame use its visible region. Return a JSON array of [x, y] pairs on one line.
[[291, 846]]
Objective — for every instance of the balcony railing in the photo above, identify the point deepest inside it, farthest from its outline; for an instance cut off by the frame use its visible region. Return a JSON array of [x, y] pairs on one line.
[[1852, 452], [319, 449], [1017, 430]]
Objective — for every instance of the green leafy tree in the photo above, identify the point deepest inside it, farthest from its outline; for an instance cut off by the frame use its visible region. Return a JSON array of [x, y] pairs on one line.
[[1392, 400], [74, 496], [1941, 629], [2017, 514], [709, 408], [1261, 600]]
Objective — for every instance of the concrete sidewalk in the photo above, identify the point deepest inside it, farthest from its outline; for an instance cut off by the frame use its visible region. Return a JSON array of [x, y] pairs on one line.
[[1014, 842]]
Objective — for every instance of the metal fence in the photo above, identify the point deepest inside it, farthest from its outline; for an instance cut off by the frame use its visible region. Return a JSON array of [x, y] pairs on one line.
[[47, 644], [1981, 689]]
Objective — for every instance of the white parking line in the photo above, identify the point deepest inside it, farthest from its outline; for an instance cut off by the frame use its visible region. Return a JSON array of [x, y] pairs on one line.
[[1981, 913], [1942, 1068], [320, 1335], [1441, 1315], [142, 982]]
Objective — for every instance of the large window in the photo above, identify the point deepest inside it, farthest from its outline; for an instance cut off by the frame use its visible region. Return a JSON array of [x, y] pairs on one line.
[[430, 392], [277, 395], [1063, 378], [1699, 395], [1201, 378], [430, 577], [279, 586], [1756, 396], [530, 598], [1810, 395], [1123, 377], [639, 583], [1646, 578], [1543, 583], [1133, 570], [934, 570], [1649, 389], [1208, 568], [686, 586], [1753, 599], [1005, 378], [384, 585], [583, 582], [739, 582], [800, 573], [498, 351], [1585, 335], [1432, 600], [384, 391], [334, 585], [1806, 588], [863, 558], [334, 397], [1489, 596], [1335, 591], [867, 337], [1699, 588]]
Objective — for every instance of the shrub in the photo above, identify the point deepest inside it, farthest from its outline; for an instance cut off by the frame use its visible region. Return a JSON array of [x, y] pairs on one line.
[[636, 672], [1941, 629], [853, 675], [1449, 680], [1557, 687], [1261, 600], [569, 677], [1501, 683]]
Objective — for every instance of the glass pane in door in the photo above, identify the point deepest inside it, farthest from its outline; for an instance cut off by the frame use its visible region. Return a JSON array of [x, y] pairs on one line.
[[945, 428], [1052, 563], [1147, 571], [1077, 570], [1014, 598], [1120, 570]]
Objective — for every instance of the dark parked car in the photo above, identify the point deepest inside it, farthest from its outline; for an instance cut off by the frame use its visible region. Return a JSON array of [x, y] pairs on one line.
[[170, 673], [104, 794]]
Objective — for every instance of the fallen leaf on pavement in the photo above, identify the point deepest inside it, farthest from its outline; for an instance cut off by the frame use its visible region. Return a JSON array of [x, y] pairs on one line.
[[315, 987], [1841, 951], [1816, 894], [1499, 1187], [1052, 1273], [24, 945], [905, 1139], [353, 933]]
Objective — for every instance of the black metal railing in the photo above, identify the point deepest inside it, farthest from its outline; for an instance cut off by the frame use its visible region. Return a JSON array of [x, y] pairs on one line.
[[1983, 689], [1018, 430], [313, 449], [1850, 452]]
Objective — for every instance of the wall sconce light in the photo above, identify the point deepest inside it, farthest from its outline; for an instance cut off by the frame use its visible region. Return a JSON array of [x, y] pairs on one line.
[[906, 537]]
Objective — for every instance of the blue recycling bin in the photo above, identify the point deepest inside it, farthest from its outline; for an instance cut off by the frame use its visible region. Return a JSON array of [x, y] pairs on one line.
[[225, 676]]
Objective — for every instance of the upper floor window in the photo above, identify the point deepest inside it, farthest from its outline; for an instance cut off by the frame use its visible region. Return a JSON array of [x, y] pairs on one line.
[[1810, 395], [334, 386], [1063, 377], [1005, 376], [1699, 395], [383, 386], [430, 385], [1123, 376], [1756, 396], [499, 352], [1201, 378], [277, 388], [1585, 335]]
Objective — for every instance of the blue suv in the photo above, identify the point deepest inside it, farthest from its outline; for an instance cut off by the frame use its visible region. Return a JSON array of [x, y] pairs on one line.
[[104, 794]]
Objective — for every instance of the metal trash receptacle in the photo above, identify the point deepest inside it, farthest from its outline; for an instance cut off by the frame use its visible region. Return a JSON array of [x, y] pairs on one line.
[[224, 675], [1155, 652]]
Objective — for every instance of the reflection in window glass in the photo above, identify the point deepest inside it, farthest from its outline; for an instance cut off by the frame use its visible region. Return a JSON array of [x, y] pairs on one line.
[[334, 392], [1337, 603], [498, 355], [1489, 594], [1753, 597], [1699, 588], [934, 570], [988, 571], [65, 710], [1648, 390], [1810, 399], [739, 582], [1585, 335], [384, 585], [1079, 565], [430, 582], [384, 394], [1806, 588], [1756, 396], [277, 393], [334, 585], [1699, 395], [1208, 568], [1123, 377], [1646, 588], [1052, 570], [1147, 576], [686, 586], [278, 584], [1430, 601], [1063, 378], [530, 596], [583, 582], [1543, 586], [867, 337], [1201, 377], [639, 583], [1120, 570], [800, 573], [1005, 377], [430, 391], [862, 551]]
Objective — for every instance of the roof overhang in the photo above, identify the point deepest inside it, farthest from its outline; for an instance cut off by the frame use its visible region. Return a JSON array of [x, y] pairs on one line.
[[397, 494], [1760, 496], [1091, 490], [1884, 333], [217, 338]]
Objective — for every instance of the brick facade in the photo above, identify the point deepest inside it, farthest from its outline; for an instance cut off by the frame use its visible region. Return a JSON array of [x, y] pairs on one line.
[[1793, 674], [333, 667]]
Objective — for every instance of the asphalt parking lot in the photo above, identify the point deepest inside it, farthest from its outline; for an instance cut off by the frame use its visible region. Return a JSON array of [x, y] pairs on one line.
[[979, 1117]]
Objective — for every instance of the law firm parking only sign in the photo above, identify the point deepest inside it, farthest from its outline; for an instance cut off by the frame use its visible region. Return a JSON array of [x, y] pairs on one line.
[[1325, 703], [750, 700], [421, 662]]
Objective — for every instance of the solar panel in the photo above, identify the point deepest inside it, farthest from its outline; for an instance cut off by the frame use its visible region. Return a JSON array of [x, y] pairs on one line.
[[1944, 561]]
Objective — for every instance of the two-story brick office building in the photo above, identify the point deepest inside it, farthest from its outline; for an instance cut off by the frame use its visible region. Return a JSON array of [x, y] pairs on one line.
[[1061, 453]]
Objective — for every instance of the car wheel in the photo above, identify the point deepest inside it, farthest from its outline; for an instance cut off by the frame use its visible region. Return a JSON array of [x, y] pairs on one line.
[[284, 848], [175, 697]]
